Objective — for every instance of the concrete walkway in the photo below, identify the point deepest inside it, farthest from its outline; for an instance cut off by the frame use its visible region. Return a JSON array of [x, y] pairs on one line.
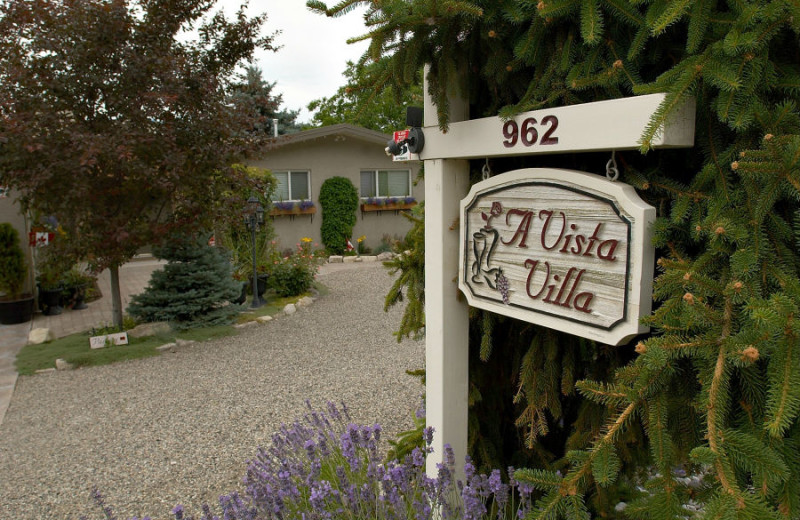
[[134, 277]]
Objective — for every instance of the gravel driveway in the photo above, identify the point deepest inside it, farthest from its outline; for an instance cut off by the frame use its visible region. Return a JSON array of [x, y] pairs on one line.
[[179, 428]]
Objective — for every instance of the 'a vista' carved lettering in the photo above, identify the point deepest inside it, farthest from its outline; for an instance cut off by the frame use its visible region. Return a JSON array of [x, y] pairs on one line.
[[570, 243]]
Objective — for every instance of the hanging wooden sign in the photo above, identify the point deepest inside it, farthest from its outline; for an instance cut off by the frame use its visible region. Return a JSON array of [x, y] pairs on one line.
[[564, 249]]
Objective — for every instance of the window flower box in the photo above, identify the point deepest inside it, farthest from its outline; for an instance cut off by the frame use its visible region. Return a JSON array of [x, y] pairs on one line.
[[389, 204], [292, 209]]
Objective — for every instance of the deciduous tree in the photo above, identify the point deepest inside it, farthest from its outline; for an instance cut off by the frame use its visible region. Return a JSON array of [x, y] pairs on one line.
[[115, 117], [360, 103]]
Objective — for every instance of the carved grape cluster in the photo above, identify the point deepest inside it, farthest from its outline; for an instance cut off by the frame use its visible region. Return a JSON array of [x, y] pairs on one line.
[[502, 285]]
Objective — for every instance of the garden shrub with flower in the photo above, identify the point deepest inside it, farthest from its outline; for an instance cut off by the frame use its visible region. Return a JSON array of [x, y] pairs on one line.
[[325, 467], [293, 274]]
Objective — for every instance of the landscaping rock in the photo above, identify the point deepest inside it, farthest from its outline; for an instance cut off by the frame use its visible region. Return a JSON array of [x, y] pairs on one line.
[[349, 259], [335, 259], [183, 342], [305, 301], [149, 329], [167, 347], [61, 364], [40, 335], [385, 256], [45, 370], [246, 324], [289, 309], [264, 319], [369, 258]]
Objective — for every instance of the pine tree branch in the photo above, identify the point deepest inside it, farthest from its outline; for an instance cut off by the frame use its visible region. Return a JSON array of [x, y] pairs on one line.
[[715, 404]]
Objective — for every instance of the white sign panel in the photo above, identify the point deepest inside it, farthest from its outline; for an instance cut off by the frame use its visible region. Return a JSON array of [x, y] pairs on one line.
[[564, 249], [616, 124], [120, 338]]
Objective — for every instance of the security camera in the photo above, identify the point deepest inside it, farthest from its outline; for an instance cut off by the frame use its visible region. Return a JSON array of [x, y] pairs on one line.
[[413, 143], [415, 140], [394, 148]]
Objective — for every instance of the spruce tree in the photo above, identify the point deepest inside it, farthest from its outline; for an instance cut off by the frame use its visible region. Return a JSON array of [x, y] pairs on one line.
[[194, 289], [714, 390]]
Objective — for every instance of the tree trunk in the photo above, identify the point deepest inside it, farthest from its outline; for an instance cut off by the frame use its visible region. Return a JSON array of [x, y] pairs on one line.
[[116, 297]]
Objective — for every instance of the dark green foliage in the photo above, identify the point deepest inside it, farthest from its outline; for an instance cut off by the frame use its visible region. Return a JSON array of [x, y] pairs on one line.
[[192, 290], [253, 96], [12, 262], [715, 388], [339, 200], [411, 280]]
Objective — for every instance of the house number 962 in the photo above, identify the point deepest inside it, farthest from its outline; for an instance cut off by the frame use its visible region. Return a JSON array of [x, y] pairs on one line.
[[528, 133]]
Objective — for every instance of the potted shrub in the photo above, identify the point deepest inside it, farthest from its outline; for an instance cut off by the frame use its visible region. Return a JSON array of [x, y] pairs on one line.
[[75, 282], [15, 307], [52, 267]]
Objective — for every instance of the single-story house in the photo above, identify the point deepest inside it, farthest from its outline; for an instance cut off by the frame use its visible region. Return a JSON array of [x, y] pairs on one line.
[[301, 162]]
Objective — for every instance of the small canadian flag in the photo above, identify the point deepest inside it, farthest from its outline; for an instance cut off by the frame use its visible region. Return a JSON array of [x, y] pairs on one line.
[[40, 238], [349, 245]]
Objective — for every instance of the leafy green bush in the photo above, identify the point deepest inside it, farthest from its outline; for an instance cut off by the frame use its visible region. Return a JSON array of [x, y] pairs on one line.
[[339, 200], [294, 274], [12, 262]]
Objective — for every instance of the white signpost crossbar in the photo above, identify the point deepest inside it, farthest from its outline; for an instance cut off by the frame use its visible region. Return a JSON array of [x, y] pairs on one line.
[[617, 124]]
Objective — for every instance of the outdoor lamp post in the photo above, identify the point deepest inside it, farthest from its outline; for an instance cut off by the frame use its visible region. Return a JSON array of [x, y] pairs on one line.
[[254, 215]]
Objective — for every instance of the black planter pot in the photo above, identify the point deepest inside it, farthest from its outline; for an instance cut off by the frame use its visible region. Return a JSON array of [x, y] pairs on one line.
[[261, 285], [50, 301], [17, 311], [243, 296]]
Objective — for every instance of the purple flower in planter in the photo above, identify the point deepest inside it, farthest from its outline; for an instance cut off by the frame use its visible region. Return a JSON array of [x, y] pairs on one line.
[[306, 204], [284, 205], [409, 200]]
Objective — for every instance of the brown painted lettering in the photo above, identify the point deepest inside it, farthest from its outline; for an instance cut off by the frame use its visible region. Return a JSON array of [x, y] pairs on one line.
[[522, 229], [546, 227]]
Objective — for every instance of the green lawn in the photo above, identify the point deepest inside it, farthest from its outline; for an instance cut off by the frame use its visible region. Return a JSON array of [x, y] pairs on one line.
[[75, 348]]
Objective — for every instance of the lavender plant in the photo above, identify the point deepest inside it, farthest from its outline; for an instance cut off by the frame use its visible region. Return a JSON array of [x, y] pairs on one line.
[[324, 467]]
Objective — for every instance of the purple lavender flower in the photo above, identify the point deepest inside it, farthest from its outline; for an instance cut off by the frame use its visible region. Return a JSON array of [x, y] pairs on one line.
[[324, 467], [420, 412], [178, 512], [427, 435]]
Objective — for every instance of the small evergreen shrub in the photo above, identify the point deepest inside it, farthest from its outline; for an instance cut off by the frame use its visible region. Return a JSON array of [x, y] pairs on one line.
[[339, 200], [192, 290]]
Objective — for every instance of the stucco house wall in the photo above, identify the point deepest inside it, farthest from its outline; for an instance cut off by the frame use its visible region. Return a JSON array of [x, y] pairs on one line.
[[344, 151]]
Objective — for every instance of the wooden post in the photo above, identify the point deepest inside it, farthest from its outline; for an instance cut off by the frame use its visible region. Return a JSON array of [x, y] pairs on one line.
[[446, 314]]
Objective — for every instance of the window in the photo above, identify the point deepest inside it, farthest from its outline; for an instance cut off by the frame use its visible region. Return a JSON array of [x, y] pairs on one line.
[[292, 185], [385, 183]]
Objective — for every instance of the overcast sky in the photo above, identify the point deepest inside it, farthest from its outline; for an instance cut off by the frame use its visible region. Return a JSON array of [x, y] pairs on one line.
[[314, 49]]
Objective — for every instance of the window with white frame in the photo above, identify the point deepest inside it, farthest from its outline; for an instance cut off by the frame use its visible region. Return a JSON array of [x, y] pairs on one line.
[[292, 185], [385, 183]]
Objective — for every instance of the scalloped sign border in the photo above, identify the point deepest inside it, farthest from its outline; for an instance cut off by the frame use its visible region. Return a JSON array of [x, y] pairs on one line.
[[564, 249]]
